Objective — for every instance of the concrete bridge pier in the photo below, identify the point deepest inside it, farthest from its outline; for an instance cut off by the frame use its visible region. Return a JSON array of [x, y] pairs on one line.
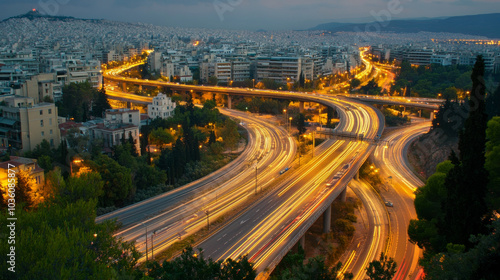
[[124, 87], [229, 103], [327, 219], [343, 194], [432, 116], [301, 106], [140, 87]]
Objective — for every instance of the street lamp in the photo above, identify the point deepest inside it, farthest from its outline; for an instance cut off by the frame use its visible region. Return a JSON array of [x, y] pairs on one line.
[[290, 125], [253, 82], [75, 161]]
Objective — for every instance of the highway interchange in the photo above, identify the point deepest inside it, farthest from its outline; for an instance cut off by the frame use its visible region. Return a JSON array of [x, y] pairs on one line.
[[268, 227]]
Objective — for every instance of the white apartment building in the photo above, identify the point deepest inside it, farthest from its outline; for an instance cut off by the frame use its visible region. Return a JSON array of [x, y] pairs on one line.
[[162, 107]]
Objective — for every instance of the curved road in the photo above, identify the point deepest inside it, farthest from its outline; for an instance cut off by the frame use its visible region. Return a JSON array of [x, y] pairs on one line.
[[395, 170]]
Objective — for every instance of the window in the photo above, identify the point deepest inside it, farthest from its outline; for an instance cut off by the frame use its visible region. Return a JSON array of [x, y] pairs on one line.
[[52, 142], [50, 121], [41, 123], [51, 132], [41, 112], [50, 111], [43, 133]]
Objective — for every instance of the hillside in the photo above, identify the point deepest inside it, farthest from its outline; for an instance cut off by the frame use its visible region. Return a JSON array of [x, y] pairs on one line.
[[479, 25]]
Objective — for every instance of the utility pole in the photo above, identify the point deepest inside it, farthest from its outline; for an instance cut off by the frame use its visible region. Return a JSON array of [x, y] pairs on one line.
[[146, 243], [208, 221], [152, 246]]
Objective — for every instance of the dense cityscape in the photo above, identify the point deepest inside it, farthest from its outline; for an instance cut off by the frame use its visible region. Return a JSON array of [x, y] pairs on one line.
[[146, 151]]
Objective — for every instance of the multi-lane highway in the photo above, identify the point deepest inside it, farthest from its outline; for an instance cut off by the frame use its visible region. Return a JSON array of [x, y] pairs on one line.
[[182, 211], [401, 183], [270, 227]]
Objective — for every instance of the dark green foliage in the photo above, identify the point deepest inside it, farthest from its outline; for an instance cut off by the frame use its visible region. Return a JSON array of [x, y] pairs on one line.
[[493, 103], [355, 83], [271, 84], [229, 134], [450, 118], [428, 201], [428, 81], [492, 163], [465, 207], [100, 104], [212, 80], [193, 265], [262, 105], [371, 88], [382, 269], [300, 122], [24, 190], [315, 268], [117, 181], [481, 262], [392, 120], [76, 101], [45, 162], [60, 239]]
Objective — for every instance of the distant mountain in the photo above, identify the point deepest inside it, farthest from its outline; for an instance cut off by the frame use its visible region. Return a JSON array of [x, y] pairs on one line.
[[34, 14], [480, 25]]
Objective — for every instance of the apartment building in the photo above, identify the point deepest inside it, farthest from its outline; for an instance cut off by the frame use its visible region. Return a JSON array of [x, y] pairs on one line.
[[161, 107], [24, 124]]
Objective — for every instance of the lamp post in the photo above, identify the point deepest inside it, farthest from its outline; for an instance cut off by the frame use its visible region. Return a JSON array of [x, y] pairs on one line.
[[152, 246], [207, 212], [290, 125], [286, 117], [146, 240], [256, 174], [253, 83]]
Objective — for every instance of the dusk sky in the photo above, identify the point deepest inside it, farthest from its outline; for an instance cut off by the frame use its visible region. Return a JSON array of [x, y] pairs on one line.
[[248, 14]]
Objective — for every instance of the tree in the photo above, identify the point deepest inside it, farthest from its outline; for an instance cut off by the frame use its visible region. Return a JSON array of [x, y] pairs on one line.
[[213, 80], [467, 182], [493, 103], [160, 137], [371, 88], [382, 269], [450, 93], [101, 103], [117, 181], [60, 240], [301, 80], [355, 83], [492, 163], [481, 262], [300, 121], [193, 265], [229, 134], [26, 191]]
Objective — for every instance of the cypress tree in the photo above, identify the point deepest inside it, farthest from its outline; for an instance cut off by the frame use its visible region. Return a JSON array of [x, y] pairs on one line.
[[465, 207]]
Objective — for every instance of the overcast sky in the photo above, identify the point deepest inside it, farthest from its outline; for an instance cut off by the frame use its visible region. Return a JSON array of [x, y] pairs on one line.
[[248, 14]]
